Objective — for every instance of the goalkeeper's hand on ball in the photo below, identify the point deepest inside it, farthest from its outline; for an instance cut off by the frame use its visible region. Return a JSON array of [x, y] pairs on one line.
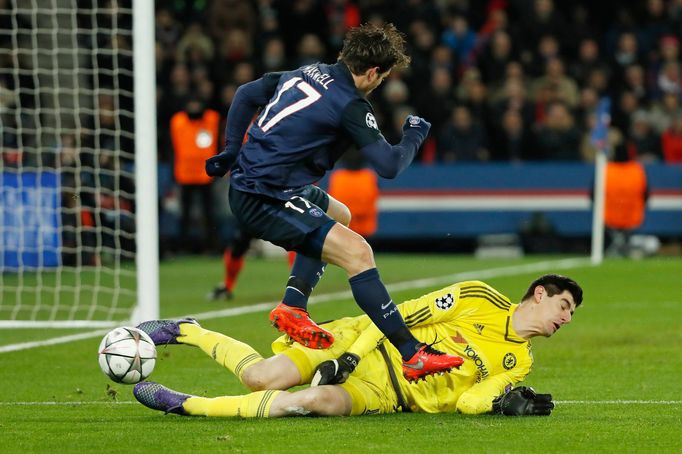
[[335, 371], [523, 401]]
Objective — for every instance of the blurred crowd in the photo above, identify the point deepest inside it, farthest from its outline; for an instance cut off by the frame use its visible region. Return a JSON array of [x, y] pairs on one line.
[[498, 79], [504, 80]]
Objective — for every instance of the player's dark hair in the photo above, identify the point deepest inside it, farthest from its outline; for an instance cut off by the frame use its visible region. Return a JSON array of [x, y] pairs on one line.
[[554, 284], [373, 45]]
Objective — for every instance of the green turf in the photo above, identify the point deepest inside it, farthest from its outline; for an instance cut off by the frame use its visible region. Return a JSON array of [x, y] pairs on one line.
[[624, 344]]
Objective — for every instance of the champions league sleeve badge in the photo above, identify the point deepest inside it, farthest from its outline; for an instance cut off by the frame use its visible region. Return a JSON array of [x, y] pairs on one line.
[[445, 302]]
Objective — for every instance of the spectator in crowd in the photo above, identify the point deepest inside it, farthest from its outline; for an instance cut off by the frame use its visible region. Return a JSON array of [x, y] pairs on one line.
[[539, 21], [671, 141], [394, 98], [558, 138], [554, 75], [654, 24], [502, 60], [626, 54], [639, 57], [274, 55], [462, 139], [588, 59], [514, 98], [627, 105], [310, 50], [634, 81], [536, 62], [589, 99], [437, 99], [663, 112], [459, 37], [670, 79], [473, 93], [643, 143], [599, 79], [511, 141], [496, 56]]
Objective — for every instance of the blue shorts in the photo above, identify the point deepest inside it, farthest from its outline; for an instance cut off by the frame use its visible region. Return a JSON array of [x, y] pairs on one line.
[[299, 224]]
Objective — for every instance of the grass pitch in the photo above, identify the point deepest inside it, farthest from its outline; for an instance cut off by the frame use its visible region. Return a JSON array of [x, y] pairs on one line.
[[614, 371]]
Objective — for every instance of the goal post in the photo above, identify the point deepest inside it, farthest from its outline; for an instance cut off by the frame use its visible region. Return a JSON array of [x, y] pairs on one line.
[[147, 226], [78, 189]]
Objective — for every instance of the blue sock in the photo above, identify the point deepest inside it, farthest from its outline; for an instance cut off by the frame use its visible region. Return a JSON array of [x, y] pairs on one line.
[[373, 298], [305, 274]]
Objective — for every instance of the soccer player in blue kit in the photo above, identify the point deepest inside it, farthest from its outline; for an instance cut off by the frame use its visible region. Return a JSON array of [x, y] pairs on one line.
[[306, 120]]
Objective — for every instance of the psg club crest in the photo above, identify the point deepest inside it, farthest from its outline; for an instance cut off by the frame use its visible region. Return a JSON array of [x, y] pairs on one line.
[[445, 302], [316, 212]]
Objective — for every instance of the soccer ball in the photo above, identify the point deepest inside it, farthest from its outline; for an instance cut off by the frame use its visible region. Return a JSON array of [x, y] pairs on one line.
[[127, 355]]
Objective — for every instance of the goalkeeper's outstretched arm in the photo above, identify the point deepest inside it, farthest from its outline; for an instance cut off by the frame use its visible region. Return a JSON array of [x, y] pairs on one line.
[[495, 395]]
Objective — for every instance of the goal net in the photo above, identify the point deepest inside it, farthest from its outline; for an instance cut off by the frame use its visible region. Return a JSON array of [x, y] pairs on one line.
[[68, 206]]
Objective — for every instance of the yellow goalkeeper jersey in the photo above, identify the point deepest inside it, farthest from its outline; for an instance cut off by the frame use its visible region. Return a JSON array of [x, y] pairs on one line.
[[470, 319]]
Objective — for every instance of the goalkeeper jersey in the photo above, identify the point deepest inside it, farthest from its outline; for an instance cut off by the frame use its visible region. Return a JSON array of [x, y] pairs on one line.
[[470, 319]]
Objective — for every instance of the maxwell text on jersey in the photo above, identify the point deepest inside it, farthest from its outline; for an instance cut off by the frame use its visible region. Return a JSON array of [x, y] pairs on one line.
[[317, 76]]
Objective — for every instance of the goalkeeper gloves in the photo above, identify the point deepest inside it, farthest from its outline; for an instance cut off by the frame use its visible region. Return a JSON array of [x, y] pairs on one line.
[[219, 165], [335, 371], [522, 401]]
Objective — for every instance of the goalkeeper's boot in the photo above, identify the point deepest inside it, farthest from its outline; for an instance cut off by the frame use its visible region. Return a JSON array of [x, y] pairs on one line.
[[428, 361], [164, 332], [158, 397], [220, 292], [297, 324]]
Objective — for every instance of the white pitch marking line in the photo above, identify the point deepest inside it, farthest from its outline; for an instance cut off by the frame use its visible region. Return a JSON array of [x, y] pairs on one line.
[[398, 286], [619, 402], [559, 402]]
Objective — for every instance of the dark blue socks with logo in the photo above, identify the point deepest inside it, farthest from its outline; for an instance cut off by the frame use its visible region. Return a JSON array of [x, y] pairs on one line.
[[373, 298]]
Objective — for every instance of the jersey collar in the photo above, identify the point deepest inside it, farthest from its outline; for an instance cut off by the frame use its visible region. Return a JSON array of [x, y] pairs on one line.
[[345, 71], [509, 333]]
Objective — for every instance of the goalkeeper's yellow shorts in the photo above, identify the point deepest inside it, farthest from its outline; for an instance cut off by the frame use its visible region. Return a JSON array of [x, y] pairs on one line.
[[369, 386]]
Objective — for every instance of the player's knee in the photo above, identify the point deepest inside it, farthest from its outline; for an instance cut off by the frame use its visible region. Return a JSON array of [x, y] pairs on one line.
[[322, 400], [360, 254], [254, 379], [259, 377]]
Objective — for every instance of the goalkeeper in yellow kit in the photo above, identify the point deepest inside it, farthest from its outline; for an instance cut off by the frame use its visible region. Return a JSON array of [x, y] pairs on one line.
[[357, 375]]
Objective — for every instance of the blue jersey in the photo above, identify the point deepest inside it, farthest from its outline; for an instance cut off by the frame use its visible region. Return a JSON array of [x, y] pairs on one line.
[[314, 113]]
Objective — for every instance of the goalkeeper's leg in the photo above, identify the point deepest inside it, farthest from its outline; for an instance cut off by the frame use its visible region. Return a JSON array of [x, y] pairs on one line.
[[320, 401], [247, 364]]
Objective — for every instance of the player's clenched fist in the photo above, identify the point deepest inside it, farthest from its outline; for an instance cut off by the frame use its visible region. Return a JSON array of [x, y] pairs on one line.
[[522, 401], [218, 165], [416, 125]]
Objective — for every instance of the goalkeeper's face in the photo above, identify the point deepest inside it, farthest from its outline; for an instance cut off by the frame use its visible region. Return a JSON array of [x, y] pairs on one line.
[[554, 311]]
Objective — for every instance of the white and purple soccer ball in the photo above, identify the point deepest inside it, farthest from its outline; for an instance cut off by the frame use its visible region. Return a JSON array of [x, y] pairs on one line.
[[127, 355]]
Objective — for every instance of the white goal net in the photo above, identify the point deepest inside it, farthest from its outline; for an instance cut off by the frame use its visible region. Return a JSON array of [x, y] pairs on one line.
[[68, 227]]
